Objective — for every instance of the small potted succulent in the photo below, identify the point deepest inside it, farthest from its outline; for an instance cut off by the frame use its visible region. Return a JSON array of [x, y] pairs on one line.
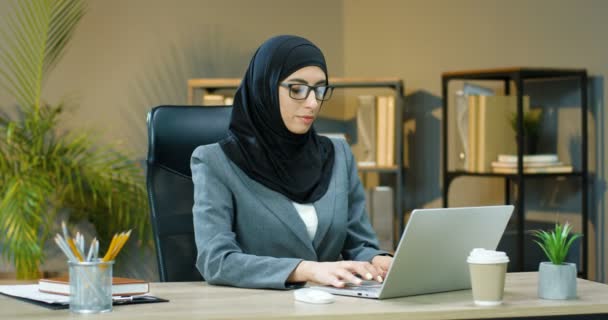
[[557, 278]]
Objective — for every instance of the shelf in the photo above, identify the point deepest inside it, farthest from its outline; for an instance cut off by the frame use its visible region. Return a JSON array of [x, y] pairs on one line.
[[338, 82], [515, 77], [454, 174], [506, 73], [377, 169]]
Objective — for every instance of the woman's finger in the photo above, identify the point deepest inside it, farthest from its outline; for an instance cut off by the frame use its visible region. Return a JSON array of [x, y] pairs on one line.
[[347, 276], [368, 271]]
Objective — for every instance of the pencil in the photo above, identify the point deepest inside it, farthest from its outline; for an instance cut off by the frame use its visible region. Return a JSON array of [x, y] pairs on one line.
[[106, 257]]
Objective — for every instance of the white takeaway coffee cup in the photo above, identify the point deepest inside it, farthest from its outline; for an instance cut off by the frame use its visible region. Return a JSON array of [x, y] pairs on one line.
[[488, 269]]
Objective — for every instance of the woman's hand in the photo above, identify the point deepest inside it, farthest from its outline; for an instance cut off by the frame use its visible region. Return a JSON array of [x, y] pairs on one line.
[[382, 263], [335, 274]]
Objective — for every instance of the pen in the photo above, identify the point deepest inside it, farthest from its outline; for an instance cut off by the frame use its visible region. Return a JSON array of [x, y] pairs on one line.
[[91, 248], [81, 243], [64, 247], [64, 228], [96, 254]]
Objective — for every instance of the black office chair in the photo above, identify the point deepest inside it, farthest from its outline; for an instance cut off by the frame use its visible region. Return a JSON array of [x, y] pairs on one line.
[[173, 134]]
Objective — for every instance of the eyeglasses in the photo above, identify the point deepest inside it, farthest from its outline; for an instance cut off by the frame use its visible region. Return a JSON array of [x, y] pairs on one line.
[[299, 91]]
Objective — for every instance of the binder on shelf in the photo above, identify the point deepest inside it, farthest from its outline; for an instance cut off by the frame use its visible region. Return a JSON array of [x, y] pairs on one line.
[[120, 286], [460, 124]]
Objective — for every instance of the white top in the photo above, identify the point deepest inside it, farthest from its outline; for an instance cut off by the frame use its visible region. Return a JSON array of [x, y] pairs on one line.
[[308, 213]]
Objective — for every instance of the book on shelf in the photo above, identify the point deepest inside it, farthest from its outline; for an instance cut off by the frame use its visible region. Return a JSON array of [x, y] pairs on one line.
[[472, 134], [217, 100], [545, 169], [490, 132], [498, 164], [381, 123], [120, 286], [390, 131], [529, 158], [385, 130]]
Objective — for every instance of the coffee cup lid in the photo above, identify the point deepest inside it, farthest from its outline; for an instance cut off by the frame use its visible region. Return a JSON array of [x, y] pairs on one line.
[[483, 256]]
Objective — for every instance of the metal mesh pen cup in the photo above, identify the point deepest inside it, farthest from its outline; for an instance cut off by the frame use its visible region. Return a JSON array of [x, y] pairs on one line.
[[91, 286]]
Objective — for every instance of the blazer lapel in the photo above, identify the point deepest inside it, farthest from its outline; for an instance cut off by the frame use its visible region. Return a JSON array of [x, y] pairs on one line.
[[325, 208], [281, 207]]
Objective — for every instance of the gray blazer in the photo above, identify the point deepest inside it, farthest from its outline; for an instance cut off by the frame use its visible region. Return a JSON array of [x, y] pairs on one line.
[[250, 236]]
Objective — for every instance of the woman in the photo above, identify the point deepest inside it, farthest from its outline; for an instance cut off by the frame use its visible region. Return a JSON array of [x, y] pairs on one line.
[[275, 204]]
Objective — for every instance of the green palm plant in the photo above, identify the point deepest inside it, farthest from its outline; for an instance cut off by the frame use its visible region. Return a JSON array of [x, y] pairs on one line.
[[44, 171], [556, 243]]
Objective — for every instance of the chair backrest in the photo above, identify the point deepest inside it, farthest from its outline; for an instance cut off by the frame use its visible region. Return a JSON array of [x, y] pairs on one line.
[[173, 134]]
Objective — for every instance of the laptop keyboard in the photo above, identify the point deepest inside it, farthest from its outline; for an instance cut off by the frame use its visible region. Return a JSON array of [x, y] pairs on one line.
[[364, 286]]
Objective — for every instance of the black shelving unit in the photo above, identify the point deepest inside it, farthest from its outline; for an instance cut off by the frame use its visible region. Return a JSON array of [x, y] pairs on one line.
[[210, 85], [517, 77]]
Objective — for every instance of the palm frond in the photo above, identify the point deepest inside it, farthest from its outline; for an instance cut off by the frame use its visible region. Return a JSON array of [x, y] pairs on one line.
[[64, 17], [23, 51], [100, 184], [33, 38], [23, 201], [32, 42]]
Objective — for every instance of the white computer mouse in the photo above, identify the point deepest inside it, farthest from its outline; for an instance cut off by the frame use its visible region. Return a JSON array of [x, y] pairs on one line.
[[310, 295]]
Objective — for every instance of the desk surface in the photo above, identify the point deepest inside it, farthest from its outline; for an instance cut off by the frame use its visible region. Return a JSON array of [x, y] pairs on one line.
[[196, 300]]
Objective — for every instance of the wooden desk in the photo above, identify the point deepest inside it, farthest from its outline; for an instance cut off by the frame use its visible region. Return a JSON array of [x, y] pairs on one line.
[[200, 301]]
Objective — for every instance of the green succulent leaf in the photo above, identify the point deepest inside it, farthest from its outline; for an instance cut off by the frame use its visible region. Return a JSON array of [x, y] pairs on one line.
[[556, 243]]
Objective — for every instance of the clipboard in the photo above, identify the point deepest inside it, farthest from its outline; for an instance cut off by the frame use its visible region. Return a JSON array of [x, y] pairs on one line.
[[30, 294]]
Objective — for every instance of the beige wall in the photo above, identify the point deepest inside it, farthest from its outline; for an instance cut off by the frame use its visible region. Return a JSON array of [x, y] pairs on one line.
[[129, 55], [417, 40]]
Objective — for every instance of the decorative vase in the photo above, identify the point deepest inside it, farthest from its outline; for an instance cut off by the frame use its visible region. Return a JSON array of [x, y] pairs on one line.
[[557, 281]]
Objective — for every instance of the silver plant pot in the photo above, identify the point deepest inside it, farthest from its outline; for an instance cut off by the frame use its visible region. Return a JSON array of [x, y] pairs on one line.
[[557, 281]]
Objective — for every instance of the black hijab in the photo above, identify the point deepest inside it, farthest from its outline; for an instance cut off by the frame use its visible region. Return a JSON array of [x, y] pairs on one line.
[[298, 166]]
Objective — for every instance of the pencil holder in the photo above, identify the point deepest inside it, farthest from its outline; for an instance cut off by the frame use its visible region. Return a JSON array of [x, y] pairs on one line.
[[91, 286]]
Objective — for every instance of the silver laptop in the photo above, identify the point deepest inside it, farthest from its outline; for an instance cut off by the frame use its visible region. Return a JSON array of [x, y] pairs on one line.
[[431, 256]]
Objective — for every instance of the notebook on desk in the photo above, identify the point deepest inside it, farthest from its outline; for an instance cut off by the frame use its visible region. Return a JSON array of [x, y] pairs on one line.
[[431, 256]]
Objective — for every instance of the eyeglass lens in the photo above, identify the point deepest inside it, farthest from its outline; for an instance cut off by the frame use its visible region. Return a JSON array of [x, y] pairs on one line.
[[301, 91]]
